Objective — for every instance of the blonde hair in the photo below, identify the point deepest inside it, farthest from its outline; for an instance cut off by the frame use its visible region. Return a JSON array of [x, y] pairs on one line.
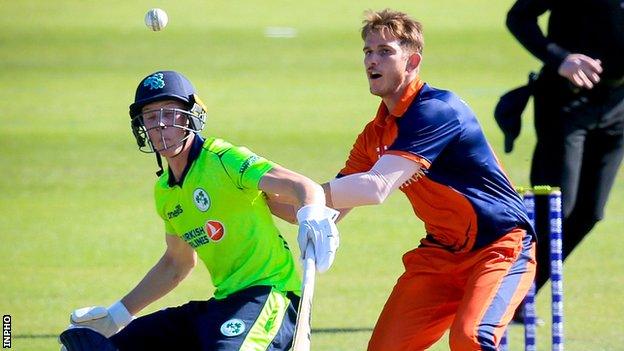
[[399, 24]]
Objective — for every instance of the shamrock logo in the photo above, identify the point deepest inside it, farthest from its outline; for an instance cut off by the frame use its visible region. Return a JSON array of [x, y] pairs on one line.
[[155, 81], [201, 199], [233, 327]]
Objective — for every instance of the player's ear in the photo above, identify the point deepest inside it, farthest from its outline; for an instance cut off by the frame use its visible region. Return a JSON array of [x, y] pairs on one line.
[[413, 61]]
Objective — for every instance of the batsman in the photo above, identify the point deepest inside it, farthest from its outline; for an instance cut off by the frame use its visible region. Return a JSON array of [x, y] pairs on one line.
[[213, 202]]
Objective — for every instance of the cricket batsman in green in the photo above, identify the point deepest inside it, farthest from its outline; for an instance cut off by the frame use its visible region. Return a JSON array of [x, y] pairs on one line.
[[213, 199]]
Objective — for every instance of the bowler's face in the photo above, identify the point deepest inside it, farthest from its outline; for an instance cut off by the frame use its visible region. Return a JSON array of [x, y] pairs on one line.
[[385, 61]]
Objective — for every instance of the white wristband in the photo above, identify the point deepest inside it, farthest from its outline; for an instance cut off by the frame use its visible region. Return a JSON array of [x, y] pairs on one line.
[[120, 314]]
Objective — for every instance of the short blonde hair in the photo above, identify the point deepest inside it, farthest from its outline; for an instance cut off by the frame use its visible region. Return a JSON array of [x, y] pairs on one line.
[[399, 24]]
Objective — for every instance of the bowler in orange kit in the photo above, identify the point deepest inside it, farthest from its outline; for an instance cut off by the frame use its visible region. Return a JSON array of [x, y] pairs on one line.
[[477, 260]]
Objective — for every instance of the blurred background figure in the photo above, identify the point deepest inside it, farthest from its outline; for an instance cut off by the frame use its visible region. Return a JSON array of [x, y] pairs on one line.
[[579, 109]]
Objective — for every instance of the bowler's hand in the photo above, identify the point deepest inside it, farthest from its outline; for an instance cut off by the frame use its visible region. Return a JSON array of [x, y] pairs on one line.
[[583, 71], [317, 226]]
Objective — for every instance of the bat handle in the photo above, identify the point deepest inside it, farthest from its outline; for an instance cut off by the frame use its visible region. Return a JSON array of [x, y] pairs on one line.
[[303, 328], [309, 262]]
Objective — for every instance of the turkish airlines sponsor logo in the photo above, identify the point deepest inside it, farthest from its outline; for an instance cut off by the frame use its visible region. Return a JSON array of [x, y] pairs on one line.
[[215, 230]]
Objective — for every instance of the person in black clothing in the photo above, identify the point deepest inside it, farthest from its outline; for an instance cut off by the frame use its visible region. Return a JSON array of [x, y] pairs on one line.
[[579, 109]]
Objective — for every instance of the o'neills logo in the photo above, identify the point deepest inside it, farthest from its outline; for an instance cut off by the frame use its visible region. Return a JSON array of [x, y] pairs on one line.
[[176, 212], [214, 230]]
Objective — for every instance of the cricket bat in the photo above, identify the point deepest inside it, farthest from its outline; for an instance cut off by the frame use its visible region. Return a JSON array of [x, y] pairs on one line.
[[303, 328]]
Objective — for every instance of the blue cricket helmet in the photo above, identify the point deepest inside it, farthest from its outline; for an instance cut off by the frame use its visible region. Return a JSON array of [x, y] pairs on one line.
[[162, 85], [166, 85]]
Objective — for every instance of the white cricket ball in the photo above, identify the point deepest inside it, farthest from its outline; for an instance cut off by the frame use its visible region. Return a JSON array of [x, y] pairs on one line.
[[156, 19]]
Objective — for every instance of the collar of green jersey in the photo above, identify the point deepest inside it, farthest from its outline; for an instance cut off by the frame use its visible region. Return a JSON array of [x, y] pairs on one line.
[[198, 143]]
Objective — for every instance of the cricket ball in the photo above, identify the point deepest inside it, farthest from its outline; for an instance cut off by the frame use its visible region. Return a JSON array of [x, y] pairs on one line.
[[156, 19]]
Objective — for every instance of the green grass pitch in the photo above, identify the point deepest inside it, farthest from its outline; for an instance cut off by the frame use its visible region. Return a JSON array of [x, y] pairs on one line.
[[77, 223]]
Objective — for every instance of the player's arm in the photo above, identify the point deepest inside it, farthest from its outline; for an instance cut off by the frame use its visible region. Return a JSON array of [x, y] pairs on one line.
[[582, 70], [359, 161], [523, 24], [316, 221], [328, 200], [287, 191], [175, 265], [422, 139], [374, 186], [284, 210]]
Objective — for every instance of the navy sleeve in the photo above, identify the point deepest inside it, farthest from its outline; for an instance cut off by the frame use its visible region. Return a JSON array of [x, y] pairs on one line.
[[426, 129]]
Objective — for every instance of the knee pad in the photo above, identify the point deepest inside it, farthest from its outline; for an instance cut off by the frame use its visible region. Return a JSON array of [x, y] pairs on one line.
[[85, 339]]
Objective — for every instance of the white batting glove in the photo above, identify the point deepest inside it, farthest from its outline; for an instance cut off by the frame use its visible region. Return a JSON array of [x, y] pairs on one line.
[[317, 226], [106, 321]]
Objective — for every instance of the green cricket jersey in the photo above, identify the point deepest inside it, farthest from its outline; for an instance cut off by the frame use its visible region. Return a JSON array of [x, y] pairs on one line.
[[220, 212]]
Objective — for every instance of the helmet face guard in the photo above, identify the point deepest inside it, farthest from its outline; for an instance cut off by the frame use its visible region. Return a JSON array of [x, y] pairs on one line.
[[154, 121]]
